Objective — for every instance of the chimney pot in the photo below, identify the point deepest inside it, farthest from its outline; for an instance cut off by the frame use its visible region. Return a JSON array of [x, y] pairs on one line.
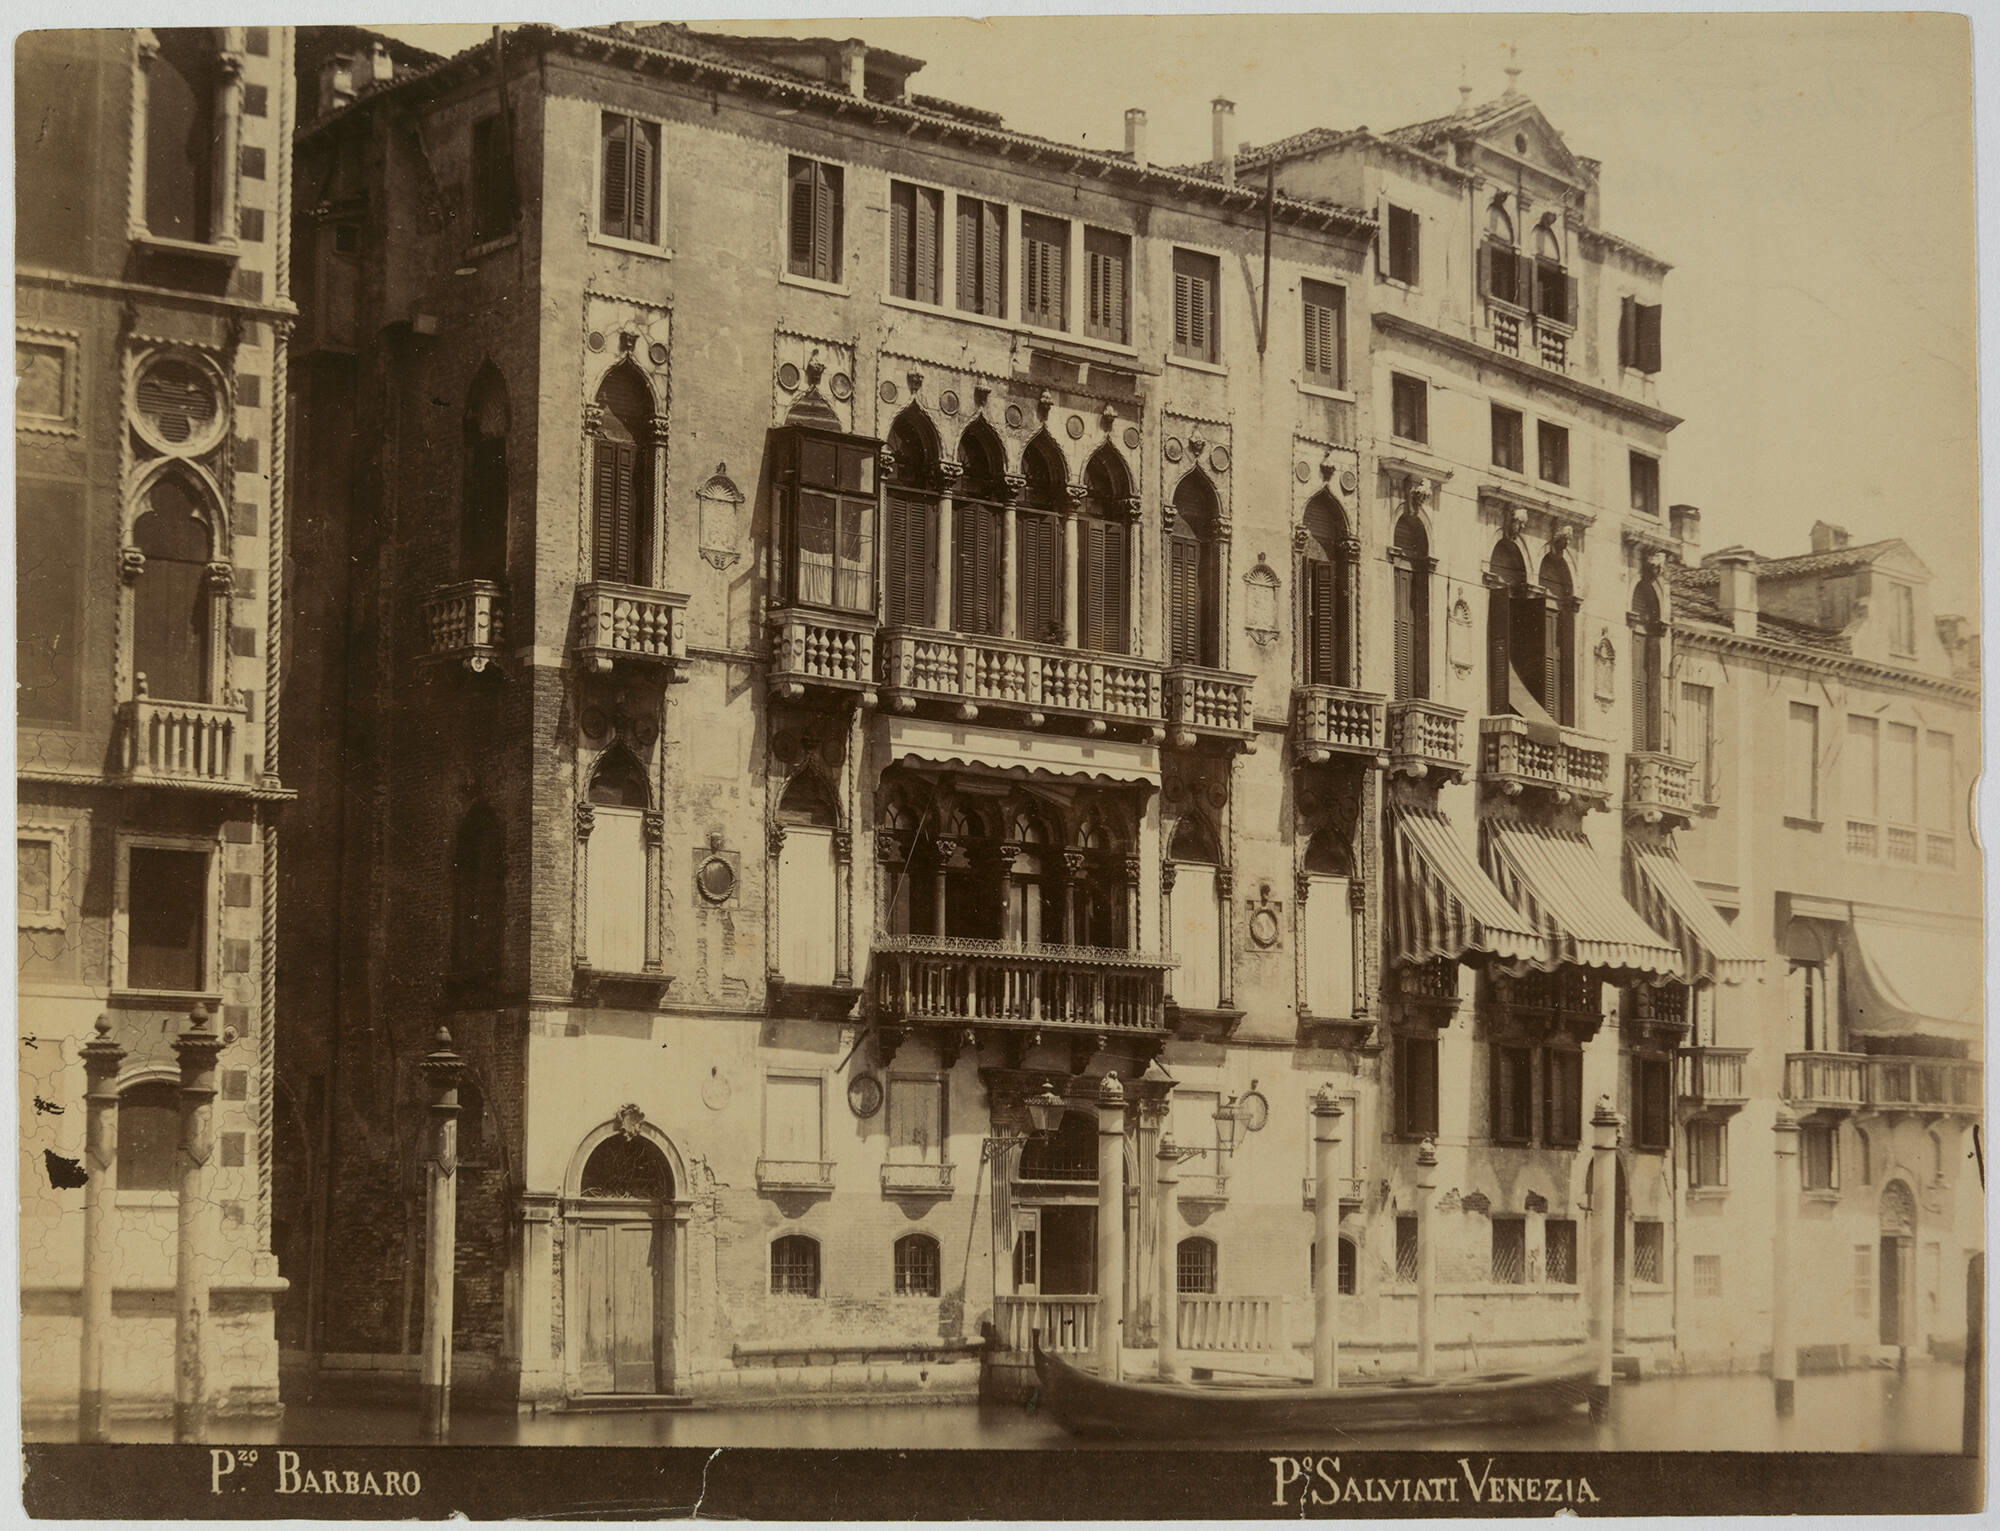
[[855, 56], [1736, 589], [1826, 537], [1135, 135], [336, 83], [1686, 523], [1222, 117]]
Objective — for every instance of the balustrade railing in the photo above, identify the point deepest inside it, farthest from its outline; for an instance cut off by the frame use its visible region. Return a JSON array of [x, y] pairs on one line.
[[1712, 1076], [1925, 1084], [178, 741], [795, 1174], [467, 622], [816, 649], [1426, 736], [942, 978], [1209, 701], [631, 623], [1242, 1325], [1658, 786], [1575, 764], [1068, 1325], [1825, 1079], [1029, 677], [934, 1178], [1332, 718]]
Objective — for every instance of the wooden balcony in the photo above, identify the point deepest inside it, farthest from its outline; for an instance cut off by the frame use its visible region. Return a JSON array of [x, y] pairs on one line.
[[1575, 767], [630, 625], [822, 651], [467, 623], [1209, 704], [1925, 1086], [1658, 788], [1333, 720], [1830, 1082], [989, 983], [974, 674], [1712, 1078], [186, 744], [1427, 739]]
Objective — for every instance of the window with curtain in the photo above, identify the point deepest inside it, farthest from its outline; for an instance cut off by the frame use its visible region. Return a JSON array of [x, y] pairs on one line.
[[615, 866], [1409, 408], [149, 1136], [827, 520], [1194, 575], [1104, 554], [1645, 476], [1328, 921], [1819, 1157], [478, 894], [1507, 439], [1196, 918], [1327, 581], [1512, 1093], [1530, 638], [1552, 452], [982, 257], [814, 215], [1562, 1097], [977, 531], [1107, 258], [916, 241], [1410, 569], [910, 551], [172, 620], [622, 479], [183, 84], [807, 875], [1038, 544], [482, 524], [1861, 785], [629, 182]]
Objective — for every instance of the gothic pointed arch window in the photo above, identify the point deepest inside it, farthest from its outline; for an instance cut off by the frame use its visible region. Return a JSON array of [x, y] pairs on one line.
[[1326, 585], [910, 555], [176, 605], [1648, 668], [1038, 543], [807, 873], [1327, 925], [482, 524], [1410, 562], [977, 532], [621, 479], [617, 902], [1196, 914], [1194, 575], [1104, 557], [478, 894]]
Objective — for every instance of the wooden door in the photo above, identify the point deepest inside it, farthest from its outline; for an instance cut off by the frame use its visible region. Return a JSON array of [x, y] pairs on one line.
[[634, 1282], [1890, 1298], [590, 1324]]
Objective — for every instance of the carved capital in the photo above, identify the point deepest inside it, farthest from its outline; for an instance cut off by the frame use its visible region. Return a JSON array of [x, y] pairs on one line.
[[586, 819], [887, 851], [1301, 884], [1131, 506], [593, 419], [1300, 539], [659, 425], [774, 838], [131, 564], [655, 827], [1133, 865], [1073, 862], [221, 578], [1166, 876], [885, 461], [949, 473], [1011, 485], [843, 844], [1225, 881]]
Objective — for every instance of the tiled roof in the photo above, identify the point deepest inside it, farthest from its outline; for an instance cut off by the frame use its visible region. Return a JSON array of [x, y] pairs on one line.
[[1437, 130], [1834, 560], [1696, 605]]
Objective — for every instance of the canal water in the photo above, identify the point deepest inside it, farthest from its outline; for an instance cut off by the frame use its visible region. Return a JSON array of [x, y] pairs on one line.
[[1856, 1411]]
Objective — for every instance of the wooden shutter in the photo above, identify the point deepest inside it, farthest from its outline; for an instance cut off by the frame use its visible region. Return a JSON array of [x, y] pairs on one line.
[[822, 234], [992, 260], [806, 873], [645, 176], [1406, 622], [1646, 333], [1565, 701], [926, 272], [1103, 588], [1200, 302], [1569, 298], [1499, 645], [614, 218], [1321, 621], [975, 555], [1184, 600], [902, 206], [967, 295], [1036, 581], [801, 253], [1329, 940], [911, 558], [1552, 666], [1641, 699], [604, 508], [1183, 310]]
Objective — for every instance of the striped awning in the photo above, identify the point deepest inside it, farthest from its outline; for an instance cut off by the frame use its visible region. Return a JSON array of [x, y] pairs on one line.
[[1662, 890], [1553, 877], [1442, 905], [1913, 977]]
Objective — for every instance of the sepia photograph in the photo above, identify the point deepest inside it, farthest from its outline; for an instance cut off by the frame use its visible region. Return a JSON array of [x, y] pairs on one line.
[[984, 768]]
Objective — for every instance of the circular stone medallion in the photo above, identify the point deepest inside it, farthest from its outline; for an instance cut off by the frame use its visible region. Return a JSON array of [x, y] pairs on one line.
[[1131, 438], [864, 1095], [1219, 459], [841, 387], [1302, 473], [1014, 417], [1264, 928], [887, 392], [1173, 449], [658, 353], [1350, 481], [788, 378], [1074, 426], [948, 402]]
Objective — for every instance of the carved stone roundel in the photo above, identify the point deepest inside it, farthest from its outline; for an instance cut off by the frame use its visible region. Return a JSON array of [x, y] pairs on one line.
[[788, 377], [887, 392], [1131, 438], [948, 401]]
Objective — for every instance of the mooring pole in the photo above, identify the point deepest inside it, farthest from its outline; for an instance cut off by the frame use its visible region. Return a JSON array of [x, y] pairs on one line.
[[1427, 1179], [1110, 1226], [442, 1069], [101, 1060], [1167, 1174], [1604, 1125], [1784, 1352], [197, 1049], [1326, 1239]]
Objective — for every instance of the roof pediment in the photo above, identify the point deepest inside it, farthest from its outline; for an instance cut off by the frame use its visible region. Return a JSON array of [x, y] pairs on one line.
[[1512, 127]]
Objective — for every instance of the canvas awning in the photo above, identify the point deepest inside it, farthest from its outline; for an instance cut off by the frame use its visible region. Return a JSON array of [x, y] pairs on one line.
[[1553, 877], [1443, 905], [1009, 753], [1909, 978], [1661, 889]]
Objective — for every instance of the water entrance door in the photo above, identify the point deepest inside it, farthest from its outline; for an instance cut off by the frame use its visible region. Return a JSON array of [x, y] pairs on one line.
[[1069, 1250], [616, 1293]]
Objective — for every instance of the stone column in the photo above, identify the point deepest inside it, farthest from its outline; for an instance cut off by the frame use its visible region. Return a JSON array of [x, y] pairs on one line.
[[1326, 1238], [1072, 629], [442, 1068], [1010, 571], [197, 1049], [1784, 1349], [945, 528], [1166, 1175], [679, 1361], [101, 1060], [1605, 1123], [843, 905], [1427, 1179], [1110, 1226], [1146, 1217]]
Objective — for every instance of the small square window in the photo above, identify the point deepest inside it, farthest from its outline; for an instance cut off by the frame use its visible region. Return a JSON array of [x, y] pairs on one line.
[[41, 867], [1409, 408], [44, 381], [1708, 1275], [257, 41], [1554, 443], [1510, 1251], [232, 1150], [256, 100]]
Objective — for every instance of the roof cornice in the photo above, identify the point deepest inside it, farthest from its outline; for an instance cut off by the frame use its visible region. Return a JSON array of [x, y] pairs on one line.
[[1586, 235], [1725, 641]]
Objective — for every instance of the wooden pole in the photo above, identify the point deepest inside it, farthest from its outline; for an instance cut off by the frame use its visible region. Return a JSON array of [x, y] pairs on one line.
[[101, 1060], [1605, 1123], [1326, 1239], [1427, 1160], [197, 1049], [1166, 1175], [442, 1069], [1784, 1350], [1110, 1226]]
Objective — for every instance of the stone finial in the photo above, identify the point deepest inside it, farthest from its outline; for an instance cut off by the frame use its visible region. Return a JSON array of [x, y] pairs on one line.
[[1110, 1092], [1427, 1153]]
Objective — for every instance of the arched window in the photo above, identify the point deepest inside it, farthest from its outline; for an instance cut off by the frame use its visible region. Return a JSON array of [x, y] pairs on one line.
[[621, 484], [1197, 921], [1194, 576], [1530, 638], [1327, 920], [1559, 643], [1068, 1155], [1104, 557], [1411, 561], [173, 623], [615, 889], [1498, 224], [917, 1266], [149, 1136], [482, 514], [478, 895], [807, 873], [911, 553], [1038, 539], [182, 84], [1194, 1267], [1327, 585], [976, 542], [1648, 668], [1547, 246], [1347, 1266], [795, 1266], [628, 1169]]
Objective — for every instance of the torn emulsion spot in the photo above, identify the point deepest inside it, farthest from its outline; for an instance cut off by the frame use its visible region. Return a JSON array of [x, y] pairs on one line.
[[65, 1174]]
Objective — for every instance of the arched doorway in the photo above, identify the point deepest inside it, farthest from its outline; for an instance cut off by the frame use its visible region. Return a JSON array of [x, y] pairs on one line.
[[1895, 1283], [619, 1287]]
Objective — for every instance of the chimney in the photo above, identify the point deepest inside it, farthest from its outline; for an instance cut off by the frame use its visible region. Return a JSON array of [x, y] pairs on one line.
[[336, 83], [381, 68], [1736, 589], [1222, 116], [1135, 135], [1826, 537], [854, 55], [1686, 523]]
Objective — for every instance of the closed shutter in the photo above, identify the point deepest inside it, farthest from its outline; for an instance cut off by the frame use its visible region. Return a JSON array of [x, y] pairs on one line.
[[992, 261], [1499, 644], [614, 512], [975, 577], [902, 203], [645, 174], [1406, 641], [1641, 689], [1322, 621], [968, 255], [1090, 579], [1104, 588], [1038, 579], [916, 1121], [801, 253], [1044, 255], [1200, 302], [614, 219], [926, 273], [1565, 694], [792, 1119], [805, 903], [1647, 337], [1552, 665], [1184, 600], [616, 890], [1183, 309], [1198, 980], [1329, 936], [1105, 255], [1569, 299], [911, 574], [1628, 331], [826, 224]]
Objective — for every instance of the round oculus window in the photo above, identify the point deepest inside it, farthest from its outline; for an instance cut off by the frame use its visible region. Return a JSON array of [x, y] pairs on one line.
[[179, 405], [716, 879]]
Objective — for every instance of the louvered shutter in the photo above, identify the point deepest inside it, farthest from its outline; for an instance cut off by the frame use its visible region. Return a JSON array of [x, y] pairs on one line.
[[1499, 604], [1420, 632], [1090, 586], [1488, 258], [926, 275], [604, 508], [1183, 310], [1208, 614], [1641, 697], [1569, 298], [898, 556], [1406, 639], [1311, 359], [1184, 600], [1413, 260], [968, 255], [1032, 299], [902, 202], [1646, 341], [614, 219], [802, 218], [825, 258], [1321, 622], [1552, 687], [1198, 314], [644, 172], [625, 544], [1029, 584], [992, 290]]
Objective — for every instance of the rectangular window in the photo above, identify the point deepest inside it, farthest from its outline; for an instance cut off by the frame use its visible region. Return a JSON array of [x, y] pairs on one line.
[[792, 1127], [916, 1120], [1708, 1275], [492, 183], [1555, 292], [1197, 285], [916, 235], [1416, 1086], [43, 371], [1902, 620], [1513, 1094], [1802, 761], [1864, 1280], [1652, 1102], [1553, 442], [1562, 1097], [982, 257], [1403, 234], [1510, 1251], [1639, 335], [916, 1262], [629, 186], [814, 212], [1819, 1157], [35, 875], [1899, 792], [1107, 259], [1104, 585], [1509, 449], [1861, 786], [1507, 277], [1940, 801], [1708, 1153], [49, 542], [1694, 736], [1409, 408], [1649, 1248], [1406, 1248], [1806, 1007], [1645, 484], [1194, 1267], [1559, 1250], [166, 902], [1045, 271], [807, 871], [833, 536], [1326, 333]]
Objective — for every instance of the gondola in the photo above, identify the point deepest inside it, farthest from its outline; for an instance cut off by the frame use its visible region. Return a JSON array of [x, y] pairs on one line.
[[1146, 1409]]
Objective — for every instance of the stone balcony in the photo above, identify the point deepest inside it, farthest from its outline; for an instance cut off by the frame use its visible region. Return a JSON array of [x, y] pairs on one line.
[[630, 625], [1334, 720], [1575, 767], [916, 1179], [974, 674], [1658, 789], [466, 623], [822, 651], [1209, 704], [1712, 1078], [966, 982], [1427, 739], [182, 744]]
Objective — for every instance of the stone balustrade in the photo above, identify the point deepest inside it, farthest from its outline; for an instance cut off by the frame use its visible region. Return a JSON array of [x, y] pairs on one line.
[[192, 743], [466, 622], [1336, 720], [630, 624], [1573, 766], [979, 673]]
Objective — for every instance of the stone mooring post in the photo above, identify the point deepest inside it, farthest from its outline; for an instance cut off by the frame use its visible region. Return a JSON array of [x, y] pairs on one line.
[[196, 1048], [1605, 1123], [1326, 1239], [442, 1070], [1167, 1175], [1110, 1226], [102, 1058], [1427, 1181], [1784, 1352]]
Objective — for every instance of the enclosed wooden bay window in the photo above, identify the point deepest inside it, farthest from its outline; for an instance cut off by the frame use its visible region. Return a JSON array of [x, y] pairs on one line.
[[825, 514]]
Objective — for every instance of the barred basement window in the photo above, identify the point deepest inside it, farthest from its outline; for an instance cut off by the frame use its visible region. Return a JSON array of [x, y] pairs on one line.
[[1406, 1248], [1194, 1266], [1510, 1250], [916, 1266], [1708, 1275], [149, 1135], [1649, 1244], [1559, 1250], [795, 1266]]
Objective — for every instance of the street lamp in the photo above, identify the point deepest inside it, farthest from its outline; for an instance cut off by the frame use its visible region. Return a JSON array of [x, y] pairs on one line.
[[1045, 1114], [1226, 1122]]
